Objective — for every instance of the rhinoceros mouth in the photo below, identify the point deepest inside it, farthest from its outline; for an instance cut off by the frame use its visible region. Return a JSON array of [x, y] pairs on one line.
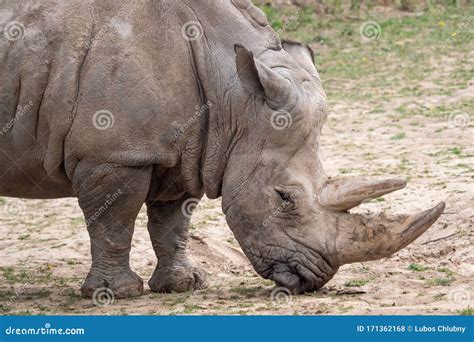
[[297, 272]]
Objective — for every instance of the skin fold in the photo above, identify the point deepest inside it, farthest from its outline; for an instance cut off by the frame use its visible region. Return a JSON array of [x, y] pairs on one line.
[[125, 103]]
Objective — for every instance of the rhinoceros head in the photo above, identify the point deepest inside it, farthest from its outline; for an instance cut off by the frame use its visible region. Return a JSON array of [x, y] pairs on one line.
[[290, 219]]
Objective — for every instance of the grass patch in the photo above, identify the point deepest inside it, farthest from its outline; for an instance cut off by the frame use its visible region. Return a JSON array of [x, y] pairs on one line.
[[417, 267], [456, 151], [356, 282], [466, 312], [398, 136], [175, 299], [440, 281], [24, 237], [246, 291], [390, 65], [13, 277], [446, 270]]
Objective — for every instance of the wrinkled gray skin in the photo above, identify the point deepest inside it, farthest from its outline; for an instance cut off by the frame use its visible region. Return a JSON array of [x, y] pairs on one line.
[[131, 59]]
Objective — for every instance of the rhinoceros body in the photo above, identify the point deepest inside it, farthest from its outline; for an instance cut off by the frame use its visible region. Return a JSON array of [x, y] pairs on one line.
[[122, 103]]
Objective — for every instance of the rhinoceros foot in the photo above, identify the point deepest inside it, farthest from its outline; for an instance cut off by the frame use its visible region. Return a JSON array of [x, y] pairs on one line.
[[123, 285], [177, 279]]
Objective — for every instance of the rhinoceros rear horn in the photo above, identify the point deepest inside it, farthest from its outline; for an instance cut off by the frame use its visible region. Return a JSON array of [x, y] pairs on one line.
[[361, 238], [342, 194], [260, 80]]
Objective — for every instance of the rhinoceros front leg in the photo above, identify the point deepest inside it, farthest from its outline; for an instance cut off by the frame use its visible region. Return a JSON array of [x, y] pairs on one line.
[[111, 196], [168, 224]]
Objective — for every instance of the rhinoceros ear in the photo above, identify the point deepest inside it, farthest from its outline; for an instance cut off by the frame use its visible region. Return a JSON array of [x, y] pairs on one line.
[[247, 71], [260, 80], [303, 55]]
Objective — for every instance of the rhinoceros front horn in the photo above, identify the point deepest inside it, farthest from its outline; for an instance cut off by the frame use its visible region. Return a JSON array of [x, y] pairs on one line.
[[361, 238]]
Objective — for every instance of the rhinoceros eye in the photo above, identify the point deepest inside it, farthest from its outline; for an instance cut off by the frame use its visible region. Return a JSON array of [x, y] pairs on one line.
[[285, 197]]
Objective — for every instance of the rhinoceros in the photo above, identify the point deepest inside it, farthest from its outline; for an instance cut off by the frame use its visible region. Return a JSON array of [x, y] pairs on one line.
[[125, 103]]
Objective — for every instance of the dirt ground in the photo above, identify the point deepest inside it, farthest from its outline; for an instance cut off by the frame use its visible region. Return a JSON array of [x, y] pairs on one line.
[[44, 245]]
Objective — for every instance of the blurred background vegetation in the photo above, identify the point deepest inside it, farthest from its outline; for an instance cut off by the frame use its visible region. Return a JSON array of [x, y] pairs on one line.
[[341, 6], [422, 48]]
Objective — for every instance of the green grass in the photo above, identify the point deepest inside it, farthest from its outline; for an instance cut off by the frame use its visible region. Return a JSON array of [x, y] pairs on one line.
[[398, 136], [446, 270], [466, 312], [13, 277], [440, 281], [456, 151], [417, 267], [410, 49], [246, 291], [356, 282], [175, 299]]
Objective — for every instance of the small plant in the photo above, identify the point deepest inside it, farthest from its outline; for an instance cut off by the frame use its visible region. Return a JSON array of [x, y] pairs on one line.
[[24, 237], [356, 282], [417, 267], [440, 281], [398, 136], [455, 150], [466, 312], [446, 270]]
